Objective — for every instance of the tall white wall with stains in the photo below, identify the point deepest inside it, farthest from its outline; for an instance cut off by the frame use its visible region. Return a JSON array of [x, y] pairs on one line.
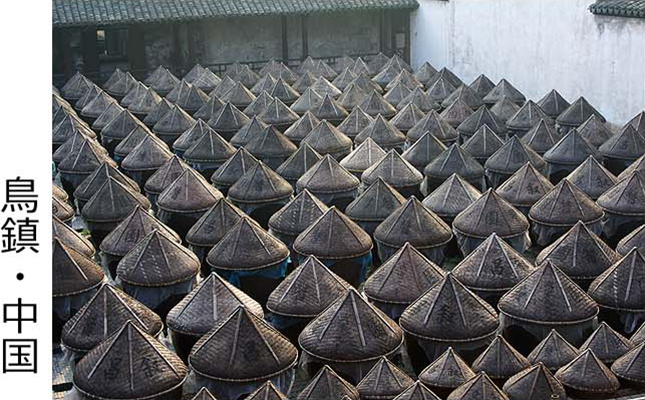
[[537, 45]]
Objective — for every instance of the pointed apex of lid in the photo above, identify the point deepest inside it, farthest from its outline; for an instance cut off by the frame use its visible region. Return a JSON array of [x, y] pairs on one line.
[[352, 96], [616, 287], [298, 214], [165, 175], [573, 250], [592, 178], [394, 170], [307, 291], [366, 332], [500, 360], [260, 184], [572, 149], [327, 176], [100, 175], [414, 223], [298, 163], [375, 104], [418, 391], [635, 239], [577, 113], [554, 351], [397, 93], [407, 117], [529, 115], [376, 202], [425, 72], [193, 99], [131, 230], [211, 302], [504, 109], [203, 394], [283, 91], [95, 374], [190, 192], [440, 89], [223, 352], [333, 235], [271, 143], [449, 312], [403, 277], [631, 366], [175, 121], [457, 112], [246, 246], [512, 156], [383, 132], [595, 131], [436, 125], [384, 380], [448, 371], [72, 272], [548, 296], [248, 132], [483, 143], [491, 214], [565, 205], [448, 75], [191, 135], [493, 266], [214, 224], [112, 202], [454, 160], [85, 158], [143, 266], [363, 156], [268, 391], [301, 128], [325, 138], [149, 155], [238, 95], [223, 87], [504, 89], [157, 112], [326, 384], [525, 187], [587, 373], [627, 197], [424, 150], [467, 95], [638, 122], [478, 387], [607, 344], [482, 86], [228, 119], [483, 116], [277, 113], [541, 138], [553, 104], [627, 145], [309, 100], [323, 87], [258, 105], [420, 99], [111, 308], [535, 382], [453, 196]]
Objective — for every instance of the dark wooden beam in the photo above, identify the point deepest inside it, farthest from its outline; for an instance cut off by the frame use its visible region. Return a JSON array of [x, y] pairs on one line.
[[304, 28], [90, 50], [285, 42], [137, 51], [406, 25]]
